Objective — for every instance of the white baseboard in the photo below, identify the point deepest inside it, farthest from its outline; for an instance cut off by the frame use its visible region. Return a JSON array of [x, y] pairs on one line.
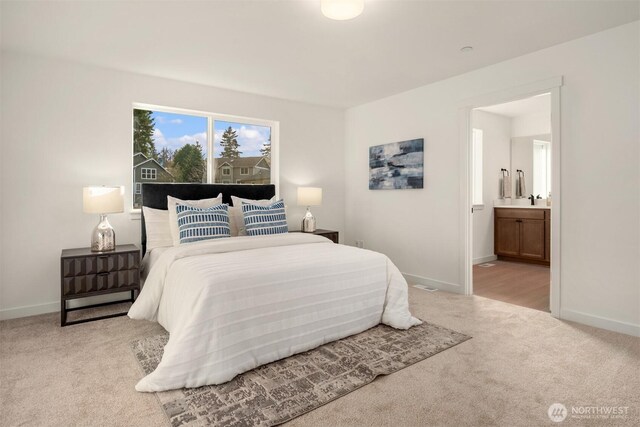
[[52, 307], [432, 283], [484, 259], [29, 310], [600, 322]]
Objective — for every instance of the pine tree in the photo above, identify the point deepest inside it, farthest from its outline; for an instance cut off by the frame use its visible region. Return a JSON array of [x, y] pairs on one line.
[[143, 125], [266, 148], [189, 164], [229, 143]]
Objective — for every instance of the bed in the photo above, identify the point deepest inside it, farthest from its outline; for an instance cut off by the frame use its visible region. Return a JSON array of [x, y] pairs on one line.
[[233, 304]]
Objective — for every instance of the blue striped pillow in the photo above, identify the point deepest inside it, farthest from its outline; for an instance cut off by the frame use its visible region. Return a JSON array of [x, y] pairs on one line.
[[196, 224], [263, 220]]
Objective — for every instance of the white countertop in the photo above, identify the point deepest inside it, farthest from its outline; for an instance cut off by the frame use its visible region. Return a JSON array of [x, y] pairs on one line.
[[523, 207]]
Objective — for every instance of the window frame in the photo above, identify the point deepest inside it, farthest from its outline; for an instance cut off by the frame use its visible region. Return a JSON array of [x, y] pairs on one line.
[[150, 176], [545, 146], [211, 119], [138, 188], [244, 173]]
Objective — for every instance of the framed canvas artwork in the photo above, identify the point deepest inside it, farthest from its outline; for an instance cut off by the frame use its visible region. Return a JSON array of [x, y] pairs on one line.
[[397, 166]]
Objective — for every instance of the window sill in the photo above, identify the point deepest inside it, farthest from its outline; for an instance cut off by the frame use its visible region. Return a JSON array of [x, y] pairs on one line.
[[135, 214]]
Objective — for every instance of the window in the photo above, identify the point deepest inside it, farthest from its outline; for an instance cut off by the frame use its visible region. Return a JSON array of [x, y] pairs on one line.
[[148, 173], [476, 159], [243, 145], [194, 146], [138, 188], [541, 168]]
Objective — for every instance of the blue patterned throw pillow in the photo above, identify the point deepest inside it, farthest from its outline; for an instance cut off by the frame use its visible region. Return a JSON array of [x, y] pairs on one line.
[[196, 224], [263, 220]]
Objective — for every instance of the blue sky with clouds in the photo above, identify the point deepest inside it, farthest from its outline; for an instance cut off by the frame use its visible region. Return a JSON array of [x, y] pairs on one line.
[[250, 137], [175, 130]]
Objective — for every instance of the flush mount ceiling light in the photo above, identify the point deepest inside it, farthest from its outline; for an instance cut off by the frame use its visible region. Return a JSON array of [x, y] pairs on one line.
[[341, 10], [466, 49]]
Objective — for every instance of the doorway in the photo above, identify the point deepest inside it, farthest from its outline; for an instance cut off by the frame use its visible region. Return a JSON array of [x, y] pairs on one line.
[[510, 251], [511, 163]]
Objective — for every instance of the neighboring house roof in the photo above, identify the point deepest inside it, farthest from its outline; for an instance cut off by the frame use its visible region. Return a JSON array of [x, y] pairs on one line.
[[156, 162], [139, 157], [241, 162]]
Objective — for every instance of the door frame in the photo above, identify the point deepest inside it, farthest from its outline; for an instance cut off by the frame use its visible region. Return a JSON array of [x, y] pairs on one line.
[[552, 86]]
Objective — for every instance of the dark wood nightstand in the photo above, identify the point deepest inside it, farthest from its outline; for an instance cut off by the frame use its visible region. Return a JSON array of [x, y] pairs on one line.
[[86, 274], [329, 234]]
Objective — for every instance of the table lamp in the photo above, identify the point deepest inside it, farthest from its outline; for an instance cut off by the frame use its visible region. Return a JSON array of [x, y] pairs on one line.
[[309, 196], [103, 200]]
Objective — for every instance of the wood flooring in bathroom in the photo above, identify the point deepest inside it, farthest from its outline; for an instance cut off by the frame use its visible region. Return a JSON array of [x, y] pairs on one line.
[[516, 283]]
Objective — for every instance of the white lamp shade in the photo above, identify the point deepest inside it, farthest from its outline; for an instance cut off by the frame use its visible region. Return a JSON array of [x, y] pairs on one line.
[[309, 196], [341, 10], [103, 200]]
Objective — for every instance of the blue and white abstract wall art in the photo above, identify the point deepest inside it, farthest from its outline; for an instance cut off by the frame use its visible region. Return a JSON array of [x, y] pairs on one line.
[[397, 166]]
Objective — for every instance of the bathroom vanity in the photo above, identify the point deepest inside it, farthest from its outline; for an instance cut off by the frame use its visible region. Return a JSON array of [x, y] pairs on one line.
[[523, 233]]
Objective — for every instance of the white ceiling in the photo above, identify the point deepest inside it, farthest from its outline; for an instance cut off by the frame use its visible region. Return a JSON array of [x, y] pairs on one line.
[[287, 49], [522, 107]]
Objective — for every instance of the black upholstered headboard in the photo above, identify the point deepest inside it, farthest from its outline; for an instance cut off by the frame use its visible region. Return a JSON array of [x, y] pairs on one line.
[[155, 196]]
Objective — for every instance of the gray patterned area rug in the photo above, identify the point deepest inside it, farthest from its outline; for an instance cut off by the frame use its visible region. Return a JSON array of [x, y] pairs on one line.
[[280, 391]]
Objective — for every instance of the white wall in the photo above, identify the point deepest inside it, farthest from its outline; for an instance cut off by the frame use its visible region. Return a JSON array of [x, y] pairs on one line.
[[418, 229], [531, 124], [67, 125], [496, 133]]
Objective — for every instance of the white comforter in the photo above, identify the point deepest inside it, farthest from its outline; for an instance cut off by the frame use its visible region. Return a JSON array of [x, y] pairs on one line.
[[233, 304]]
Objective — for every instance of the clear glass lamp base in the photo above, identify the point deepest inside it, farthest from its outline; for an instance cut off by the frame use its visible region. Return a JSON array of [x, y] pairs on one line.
[[308, 222], [103, 238]]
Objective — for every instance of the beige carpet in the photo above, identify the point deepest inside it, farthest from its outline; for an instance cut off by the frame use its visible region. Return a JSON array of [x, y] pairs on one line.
[[518, 363]]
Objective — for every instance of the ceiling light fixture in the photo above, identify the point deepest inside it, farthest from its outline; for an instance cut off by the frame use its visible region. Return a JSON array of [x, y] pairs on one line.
[[341, 10]]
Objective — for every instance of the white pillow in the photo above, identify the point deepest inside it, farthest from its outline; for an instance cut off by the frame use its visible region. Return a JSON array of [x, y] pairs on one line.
[[236, 220], [156, 223], [173, 215]]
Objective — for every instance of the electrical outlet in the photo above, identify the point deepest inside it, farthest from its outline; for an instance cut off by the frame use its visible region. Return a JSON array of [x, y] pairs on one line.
[[359, 243]]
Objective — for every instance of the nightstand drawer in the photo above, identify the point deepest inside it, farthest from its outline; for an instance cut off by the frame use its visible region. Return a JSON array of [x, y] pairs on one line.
[[82, 266], [107, 281], [117, 262]]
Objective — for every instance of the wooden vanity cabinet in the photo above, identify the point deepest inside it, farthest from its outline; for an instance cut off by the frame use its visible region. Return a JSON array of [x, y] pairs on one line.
[[522, 234]]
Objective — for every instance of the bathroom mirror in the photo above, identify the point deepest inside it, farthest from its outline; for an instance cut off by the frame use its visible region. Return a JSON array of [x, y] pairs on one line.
[[532, 156]]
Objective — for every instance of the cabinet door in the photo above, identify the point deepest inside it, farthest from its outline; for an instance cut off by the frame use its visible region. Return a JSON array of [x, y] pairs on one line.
[[507, 236], [532, 239]]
